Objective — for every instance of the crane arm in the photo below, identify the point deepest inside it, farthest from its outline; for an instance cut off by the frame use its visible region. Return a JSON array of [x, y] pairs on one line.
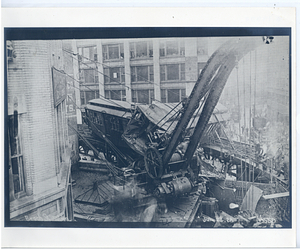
[[212, 79]]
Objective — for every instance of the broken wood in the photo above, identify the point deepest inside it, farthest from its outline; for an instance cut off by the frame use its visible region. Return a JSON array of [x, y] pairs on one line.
[[227, 218], [224, 220], [193, 213], [90, 163], [90, 218], [242, 220], [205, 219], [237, 225], [94, 169], [277, 195]]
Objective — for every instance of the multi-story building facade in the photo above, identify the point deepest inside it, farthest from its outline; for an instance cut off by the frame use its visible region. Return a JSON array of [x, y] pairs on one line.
[[140, 70], [166, 69], [38, 144]]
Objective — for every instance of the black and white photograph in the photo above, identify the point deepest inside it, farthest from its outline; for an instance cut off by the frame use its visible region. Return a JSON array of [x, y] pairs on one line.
[[149, 128], [150, 132]]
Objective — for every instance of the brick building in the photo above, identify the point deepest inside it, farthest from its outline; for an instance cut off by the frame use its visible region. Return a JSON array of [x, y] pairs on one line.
[[39, 145]]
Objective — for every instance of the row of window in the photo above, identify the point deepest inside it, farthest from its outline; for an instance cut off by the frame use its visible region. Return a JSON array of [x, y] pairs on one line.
[[172, 95], [138, 96], [86, 96], [89, 76], [172, 72], [143, 49], [171, 48], [142, 74], [114, 75], [113, 52], [88, 54], [168, 72], [115, 94]]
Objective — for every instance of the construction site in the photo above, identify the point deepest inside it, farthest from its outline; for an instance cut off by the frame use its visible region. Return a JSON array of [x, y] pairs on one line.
[[216, 159], [156, 132]]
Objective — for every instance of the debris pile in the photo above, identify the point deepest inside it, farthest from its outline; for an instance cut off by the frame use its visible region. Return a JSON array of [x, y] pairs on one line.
[[244, 219]]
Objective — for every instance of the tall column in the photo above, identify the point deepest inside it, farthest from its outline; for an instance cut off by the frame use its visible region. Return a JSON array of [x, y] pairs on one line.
[[127, 71], [156, 70], [100, 68], [76, 83]]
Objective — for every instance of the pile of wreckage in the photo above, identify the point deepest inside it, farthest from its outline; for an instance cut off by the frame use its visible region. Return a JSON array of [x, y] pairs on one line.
[[175, 155], [244, 219]]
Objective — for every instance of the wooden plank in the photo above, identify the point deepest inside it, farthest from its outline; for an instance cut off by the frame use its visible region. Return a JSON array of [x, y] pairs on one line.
[[95, 164], [90, 218], [240, 184], [194, 212], [181, 213], [277, 195], [94, 169]]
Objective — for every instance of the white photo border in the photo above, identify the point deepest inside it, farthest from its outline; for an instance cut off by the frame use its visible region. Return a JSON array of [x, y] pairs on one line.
[[153, 17]]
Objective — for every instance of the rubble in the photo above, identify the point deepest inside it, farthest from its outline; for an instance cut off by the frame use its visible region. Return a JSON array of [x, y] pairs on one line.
[[224, 220], [244, 219], [237, 225], [154, 147], [204, 221]]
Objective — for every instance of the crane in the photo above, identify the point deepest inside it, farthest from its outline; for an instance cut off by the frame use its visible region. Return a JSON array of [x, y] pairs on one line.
[[162, 139], [175, 174]]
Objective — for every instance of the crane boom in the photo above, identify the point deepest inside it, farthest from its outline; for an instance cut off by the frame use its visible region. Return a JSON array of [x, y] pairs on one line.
[[212, 81]]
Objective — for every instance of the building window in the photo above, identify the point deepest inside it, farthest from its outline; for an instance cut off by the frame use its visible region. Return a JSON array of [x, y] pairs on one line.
[[115, 94], [143, 96], [16, 167], [142, 74], [171, 48], [172, 72], [86, 96], [141, 50], [172, 95], [114, 75], [88, 76], [202, 48], [113, 52], [88, 54]]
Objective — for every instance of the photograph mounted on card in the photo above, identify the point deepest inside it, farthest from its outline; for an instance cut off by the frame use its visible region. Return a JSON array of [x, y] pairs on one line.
[[162, 131]]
